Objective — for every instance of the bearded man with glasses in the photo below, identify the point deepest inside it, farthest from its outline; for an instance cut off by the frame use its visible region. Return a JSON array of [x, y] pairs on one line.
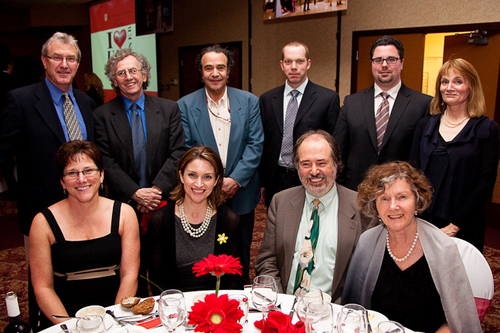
[[376, 125]]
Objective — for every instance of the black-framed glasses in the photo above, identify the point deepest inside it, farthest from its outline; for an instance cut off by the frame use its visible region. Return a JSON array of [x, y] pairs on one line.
[[90, 172], [59, 59], [389, 60], [123, 72]]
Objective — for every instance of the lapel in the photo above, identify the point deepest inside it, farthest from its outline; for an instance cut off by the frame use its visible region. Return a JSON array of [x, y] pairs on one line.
[[201, 120], [121, 125], [236, 135], [291, 222], [306, 102], [46, 109], [399, 108], [346, 240], [277, 106], [367, 108], [153, 126]]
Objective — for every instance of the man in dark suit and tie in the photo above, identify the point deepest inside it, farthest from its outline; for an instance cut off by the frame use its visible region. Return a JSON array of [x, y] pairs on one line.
[[285, 118], [227, 120], [287, 252], [141, 139], [376, 125], [36, 121], [33, 126]]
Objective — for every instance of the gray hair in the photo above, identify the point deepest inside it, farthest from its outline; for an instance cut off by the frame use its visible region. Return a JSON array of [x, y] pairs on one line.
[[110, 68], [64, 38]]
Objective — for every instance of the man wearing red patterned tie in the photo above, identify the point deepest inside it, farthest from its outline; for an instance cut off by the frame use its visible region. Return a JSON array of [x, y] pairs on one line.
[[376, 125]]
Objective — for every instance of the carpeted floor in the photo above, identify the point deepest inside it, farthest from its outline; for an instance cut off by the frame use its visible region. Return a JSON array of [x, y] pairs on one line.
[[14, 275]]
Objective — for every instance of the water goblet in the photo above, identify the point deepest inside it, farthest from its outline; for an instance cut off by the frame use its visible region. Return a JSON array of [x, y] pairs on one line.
[[319, 317], [264, 293], [179, 295], [350, 322], [90, 324], [243, 299], [306, 296], [361, 311], [390, 326], [171, 315]]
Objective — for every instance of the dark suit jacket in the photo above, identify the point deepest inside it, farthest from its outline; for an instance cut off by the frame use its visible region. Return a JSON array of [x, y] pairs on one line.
[[319, 109], [356, 133], [161, 248], [245, 141], [31, 130], [283, 219], [165, 145]]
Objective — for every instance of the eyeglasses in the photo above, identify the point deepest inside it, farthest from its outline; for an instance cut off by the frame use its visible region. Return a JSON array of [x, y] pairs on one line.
[[59, 59], [87, 173], [380, 61], [123, 72]]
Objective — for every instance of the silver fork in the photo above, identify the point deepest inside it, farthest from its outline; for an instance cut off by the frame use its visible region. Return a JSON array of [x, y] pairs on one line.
[[119, 322]]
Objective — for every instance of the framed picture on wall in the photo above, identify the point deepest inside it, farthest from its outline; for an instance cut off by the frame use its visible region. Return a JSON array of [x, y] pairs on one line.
[[289, 8], [153, 16]]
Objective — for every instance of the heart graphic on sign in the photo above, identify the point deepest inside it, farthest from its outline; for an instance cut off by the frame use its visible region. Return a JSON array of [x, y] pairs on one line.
[[119, 37]]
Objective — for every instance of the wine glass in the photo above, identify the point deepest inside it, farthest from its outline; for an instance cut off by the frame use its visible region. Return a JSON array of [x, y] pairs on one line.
[[349, 323], [319, 317], [243, 299], [352, 316], [306, 296], [264, 293], [171, 314], [176, 294], [390, 326], [90, 324]]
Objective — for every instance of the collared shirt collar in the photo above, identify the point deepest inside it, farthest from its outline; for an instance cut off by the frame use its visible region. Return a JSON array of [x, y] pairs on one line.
[[128, 103], [57, 93], [222, 101], [393, 92], [300, 88], [326, 200]]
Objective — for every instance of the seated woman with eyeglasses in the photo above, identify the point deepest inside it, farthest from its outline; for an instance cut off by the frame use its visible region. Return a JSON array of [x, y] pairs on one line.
[[83, 250]]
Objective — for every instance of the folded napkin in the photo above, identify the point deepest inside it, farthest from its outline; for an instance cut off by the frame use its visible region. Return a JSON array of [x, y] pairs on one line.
[[278, 322]]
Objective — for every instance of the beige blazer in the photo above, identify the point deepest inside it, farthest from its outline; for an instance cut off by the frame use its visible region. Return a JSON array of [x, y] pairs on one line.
[[283, 219]]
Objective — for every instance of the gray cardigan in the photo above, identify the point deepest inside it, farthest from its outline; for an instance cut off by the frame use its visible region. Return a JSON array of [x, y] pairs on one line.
[[445, 265]]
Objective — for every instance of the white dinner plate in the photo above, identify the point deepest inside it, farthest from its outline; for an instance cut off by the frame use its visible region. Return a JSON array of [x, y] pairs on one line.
[[375, 319]]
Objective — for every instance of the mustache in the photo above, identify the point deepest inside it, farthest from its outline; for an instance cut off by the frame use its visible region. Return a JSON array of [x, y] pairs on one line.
[[319, 175]]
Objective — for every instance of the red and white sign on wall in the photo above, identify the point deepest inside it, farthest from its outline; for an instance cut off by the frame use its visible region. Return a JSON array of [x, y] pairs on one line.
[[112, 27]]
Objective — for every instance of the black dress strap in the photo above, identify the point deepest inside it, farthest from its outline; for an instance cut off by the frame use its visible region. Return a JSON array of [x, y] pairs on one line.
[[115, 218], [53, 225]]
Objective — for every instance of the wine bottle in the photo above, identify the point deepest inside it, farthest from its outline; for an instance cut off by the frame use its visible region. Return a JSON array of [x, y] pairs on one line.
[[16, 324]]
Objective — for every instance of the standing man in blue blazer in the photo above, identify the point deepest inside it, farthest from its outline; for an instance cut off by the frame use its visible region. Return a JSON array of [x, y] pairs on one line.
[[227, 120]]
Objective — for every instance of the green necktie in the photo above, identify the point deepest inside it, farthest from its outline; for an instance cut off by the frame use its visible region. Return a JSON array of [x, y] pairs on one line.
[[306, 259]]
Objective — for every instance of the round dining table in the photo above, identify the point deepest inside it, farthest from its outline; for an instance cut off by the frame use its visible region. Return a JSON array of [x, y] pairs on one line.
[[284, 304]]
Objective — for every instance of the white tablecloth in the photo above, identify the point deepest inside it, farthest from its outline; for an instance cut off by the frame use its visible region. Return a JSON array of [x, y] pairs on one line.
[[285, 302]]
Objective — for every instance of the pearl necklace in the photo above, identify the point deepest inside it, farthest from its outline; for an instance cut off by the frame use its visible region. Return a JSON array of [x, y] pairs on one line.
[[449, 124], [195, 232], [409, 252]]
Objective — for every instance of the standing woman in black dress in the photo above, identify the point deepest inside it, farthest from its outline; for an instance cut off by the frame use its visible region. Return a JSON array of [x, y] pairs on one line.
[[458, 150]]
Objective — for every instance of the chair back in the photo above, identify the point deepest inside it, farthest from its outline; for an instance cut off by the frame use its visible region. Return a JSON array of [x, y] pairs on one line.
[[479, 274]]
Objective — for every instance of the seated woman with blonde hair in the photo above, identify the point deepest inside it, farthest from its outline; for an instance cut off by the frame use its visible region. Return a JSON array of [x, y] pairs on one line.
[[83, 250], [406, 268]]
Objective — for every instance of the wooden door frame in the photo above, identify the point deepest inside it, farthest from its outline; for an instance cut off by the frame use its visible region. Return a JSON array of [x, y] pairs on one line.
[[425, 30]]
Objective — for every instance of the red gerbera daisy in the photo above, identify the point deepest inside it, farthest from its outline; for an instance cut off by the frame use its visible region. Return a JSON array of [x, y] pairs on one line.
[[216, 315], [218, 265]]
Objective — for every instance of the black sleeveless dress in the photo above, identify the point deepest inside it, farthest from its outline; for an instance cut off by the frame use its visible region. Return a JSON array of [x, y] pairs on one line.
[[86, 272]]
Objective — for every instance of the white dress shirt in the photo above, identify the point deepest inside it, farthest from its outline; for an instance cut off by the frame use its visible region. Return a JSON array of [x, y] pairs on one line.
[[393, 94], [326, 248], [220, 119]]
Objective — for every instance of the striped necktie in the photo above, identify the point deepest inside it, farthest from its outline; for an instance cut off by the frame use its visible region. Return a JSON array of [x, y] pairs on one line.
[[306, 259], [74, 131], [381, 119]]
